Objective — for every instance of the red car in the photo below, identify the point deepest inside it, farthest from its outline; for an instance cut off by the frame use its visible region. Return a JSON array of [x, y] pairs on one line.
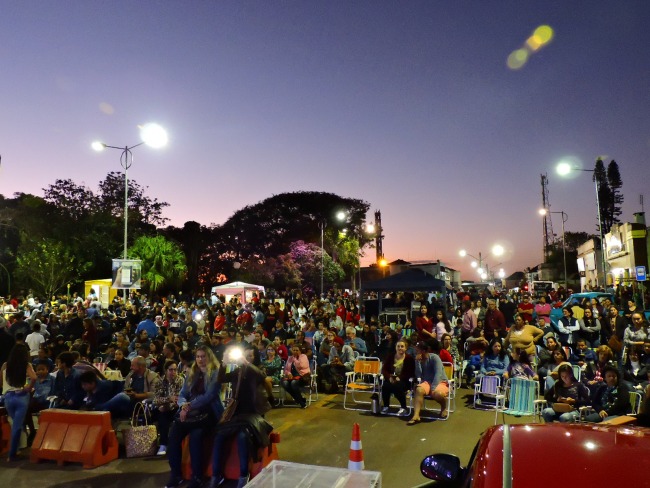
[[547, 455]]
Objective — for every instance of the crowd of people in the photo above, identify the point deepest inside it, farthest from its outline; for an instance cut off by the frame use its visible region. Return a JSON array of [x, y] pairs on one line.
[[172, 352]]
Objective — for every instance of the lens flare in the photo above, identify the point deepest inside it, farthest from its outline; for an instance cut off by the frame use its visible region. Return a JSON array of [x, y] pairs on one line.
[[106, 108], [517, 59], [544, 33]]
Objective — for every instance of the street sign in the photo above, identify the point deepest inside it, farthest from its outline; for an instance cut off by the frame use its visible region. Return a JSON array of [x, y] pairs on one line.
[[640, 273]]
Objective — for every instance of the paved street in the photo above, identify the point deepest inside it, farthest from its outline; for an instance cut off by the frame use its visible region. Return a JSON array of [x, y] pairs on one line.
[[318, 435]]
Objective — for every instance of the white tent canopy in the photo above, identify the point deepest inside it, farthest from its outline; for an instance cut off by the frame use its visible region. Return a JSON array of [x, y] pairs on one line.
[[238, 288]]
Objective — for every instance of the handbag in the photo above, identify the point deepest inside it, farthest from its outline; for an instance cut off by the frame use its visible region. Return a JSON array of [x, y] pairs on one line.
[[229, 412], [140, 440], [562, 407], [615, 343]]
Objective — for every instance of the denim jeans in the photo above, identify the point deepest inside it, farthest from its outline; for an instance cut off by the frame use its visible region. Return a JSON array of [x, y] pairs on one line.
[[16, 404], [178, 432], [119, 406], [218, 457], [293, 388], [549, 415]]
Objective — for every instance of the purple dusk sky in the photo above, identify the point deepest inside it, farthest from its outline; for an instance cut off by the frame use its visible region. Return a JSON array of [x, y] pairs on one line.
[[408, 105]]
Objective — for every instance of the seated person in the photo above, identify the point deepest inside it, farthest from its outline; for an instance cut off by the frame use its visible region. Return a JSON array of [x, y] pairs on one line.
[[104, 395], [582, 354], [434, 384], [611, 399], [341, 360], [120, 363], [43, 358], [519, 366], [553, 373], [141, 383], [296, 374], [357, 344], [325, 347], [593, 375], [283, 352], [272, 369], [476, 345], [398, 371], [634, 371], [165, 401], [496, 360], [67, 388], [565, 397], [43, 388], [246, 425]]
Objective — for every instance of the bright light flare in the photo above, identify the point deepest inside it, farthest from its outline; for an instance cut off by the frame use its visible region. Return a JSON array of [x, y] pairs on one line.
[[563, 168], [370, 228], [383, 263], [517, 59], [544, 33], [462, 253], [502, 273], [98, 146], [542, 211], [153, 135], [235, 353], [474, 264], [340, 215], [498, 250]]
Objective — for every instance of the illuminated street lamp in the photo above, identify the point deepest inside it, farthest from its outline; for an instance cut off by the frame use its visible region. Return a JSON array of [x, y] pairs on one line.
[[565, 169], [153, 135], [565, 217], [479, 263]]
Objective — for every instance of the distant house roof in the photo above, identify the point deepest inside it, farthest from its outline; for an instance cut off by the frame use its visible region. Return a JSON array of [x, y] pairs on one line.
[[399, 262], [410, 280], [516, 276]]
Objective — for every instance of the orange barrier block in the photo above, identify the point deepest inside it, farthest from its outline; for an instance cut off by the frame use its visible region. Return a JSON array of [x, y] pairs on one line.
[[5, 432], [231, 468], [68, 436]]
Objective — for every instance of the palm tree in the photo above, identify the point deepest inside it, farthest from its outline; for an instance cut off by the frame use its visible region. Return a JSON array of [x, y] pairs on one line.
[[163, 262]]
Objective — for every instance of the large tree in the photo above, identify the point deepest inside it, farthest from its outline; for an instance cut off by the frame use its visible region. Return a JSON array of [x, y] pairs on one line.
[[47, 266], [267, 229]]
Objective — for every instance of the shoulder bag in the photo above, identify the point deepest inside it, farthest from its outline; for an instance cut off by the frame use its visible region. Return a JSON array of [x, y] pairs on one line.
[[140, 440], [229, 412]]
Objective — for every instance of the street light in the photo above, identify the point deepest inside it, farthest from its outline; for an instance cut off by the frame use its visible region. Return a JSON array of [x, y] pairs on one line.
[[565, 217], [153, 135], [479, 263], [565, 169]]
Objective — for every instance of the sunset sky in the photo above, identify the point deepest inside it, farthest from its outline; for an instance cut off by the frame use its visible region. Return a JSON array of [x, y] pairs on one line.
[[410, 106]]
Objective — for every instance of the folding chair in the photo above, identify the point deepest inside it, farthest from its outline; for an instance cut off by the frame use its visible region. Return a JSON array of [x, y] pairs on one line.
[[486, 390], [363, 379], [451, 378], [522, 402], [435, 410], [636, 398]]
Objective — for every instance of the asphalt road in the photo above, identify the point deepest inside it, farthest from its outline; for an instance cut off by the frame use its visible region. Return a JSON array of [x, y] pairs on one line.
[[319, 435]]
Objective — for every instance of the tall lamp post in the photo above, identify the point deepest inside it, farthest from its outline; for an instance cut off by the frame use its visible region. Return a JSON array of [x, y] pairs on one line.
[[564, 169], [152, 135], [565, 217]]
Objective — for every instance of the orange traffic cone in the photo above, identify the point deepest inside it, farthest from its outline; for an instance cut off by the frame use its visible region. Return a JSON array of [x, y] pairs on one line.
[[356, 451]]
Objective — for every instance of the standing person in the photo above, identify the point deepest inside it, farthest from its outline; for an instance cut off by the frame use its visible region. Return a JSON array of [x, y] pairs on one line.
[[568, 327], [590, 328], [424, 325], [428, 367], [470, 322], [35, 339], [495, 321], [543, 310], [523, 336], [526, 308], [18, 379], [199, 408], [442, 325]]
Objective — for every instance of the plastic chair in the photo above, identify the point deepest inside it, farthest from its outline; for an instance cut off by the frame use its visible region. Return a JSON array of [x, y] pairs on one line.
[[364, 379], [636, 398], [486, 388], [523, 397]]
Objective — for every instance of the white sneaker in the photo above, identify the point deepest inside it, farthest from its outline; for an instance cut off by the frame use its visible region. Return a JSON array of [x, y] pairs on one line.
[[162, 450], [384, 410], [403, 412]]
